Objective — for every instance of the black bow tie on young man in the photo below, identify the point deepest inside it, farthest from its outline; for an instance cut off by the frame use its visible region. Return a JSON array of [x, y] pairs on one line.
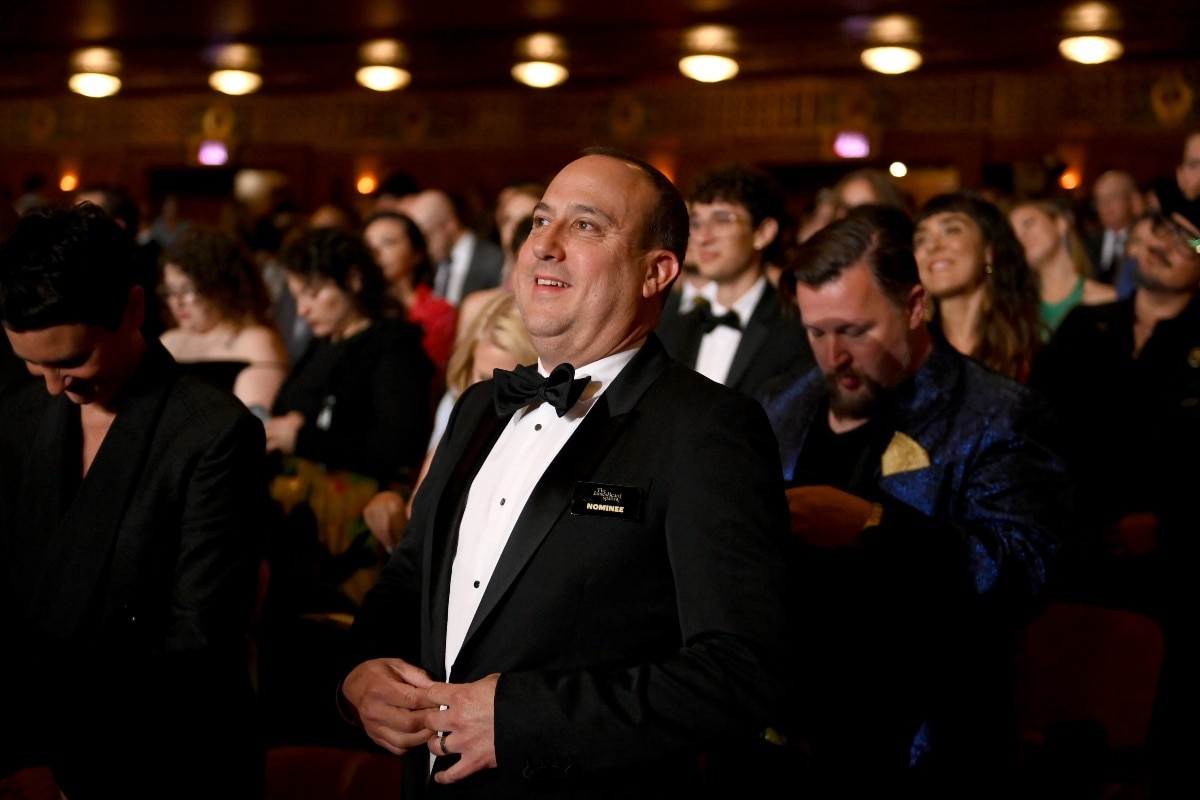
[[524, 385], [709, 321]]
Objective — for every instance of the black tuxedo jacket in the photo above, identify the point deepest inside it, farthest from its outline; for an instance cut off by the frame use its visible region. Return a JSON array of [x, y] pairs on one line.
[[625, 645], [126, 596], [773, 342]]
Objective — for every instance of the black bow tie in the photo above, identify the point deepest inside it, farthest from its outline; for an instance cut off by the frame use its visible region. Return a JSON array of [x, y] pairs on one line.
[[709, 321], [524, 385]]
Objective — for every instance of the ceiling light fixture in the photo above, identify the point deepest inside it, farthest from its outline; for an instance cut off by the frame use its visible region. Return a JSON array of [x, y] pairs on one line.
[[540, 65], [95, 72], [381, 70], [1090, 49], [709, 53], [237, 69], [891, 45], [891, 60], [1089, 27]]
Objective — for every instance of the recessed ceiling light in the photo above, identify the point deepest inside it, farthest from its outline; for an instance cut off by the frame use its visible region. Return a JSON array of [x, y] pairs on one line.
[[235, 81], [539, 74], [891, 60], [1090, 49], [383, 78], [708, 68], [95, 72]]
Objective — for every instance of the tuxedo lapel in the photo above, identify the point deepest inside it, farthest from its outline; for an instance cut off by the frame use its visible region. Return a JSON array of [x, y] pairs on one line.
[[754, 337], [577, 460]]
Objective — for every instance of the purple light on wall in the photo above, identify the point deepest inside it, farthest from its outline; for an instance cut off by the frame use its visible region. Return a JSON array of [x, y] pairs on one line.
[[213, 153], [852, 144]]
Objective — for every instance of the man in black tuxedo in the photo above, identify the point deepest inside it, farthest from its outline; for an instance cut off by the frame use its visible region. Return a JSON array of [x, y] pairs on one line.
[[589, 594], [744, 336], [129, 535]]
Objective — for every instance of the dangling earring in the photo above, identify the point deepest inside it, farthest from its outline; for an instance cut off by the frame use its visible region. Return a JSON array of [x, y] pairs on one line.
[[987, 268]]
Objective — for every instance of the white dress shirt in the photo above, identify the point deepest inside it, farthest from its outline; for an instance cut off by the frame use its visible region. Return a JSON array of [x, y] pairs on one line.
[[498, 495], [459, 263], [719, 346]]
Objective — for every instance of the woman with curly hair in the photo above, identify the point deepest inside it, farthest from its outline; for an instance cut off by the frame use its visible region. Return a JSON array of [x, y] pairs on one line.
[[985, 297], [358, 399], [219, 303]]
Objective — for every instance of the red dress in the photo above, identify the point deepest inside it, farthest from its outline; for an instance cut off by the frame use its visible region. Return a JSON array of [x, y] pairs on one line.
[[439, 320]]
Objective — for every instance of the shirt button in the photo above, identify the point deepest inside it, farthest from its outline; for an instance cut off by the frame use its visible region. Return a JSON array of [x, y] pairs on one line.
[[501, 501], [476, 584], [537, 426]]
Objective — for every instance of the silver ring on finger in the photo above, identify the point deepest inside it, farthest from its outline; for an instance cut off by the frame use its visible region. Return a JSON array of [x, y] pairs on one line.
[[442, 742]]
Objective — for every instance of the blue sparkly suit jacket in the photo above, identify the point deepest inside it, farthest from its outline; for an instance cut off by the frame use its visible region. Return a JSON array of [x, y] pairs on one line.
[[905, 642]]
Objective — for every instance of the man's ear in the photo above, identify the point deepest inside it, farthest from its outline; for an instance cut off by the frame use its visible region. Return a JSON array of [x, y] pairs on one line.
[[765, 233], [662, 268], [917, 300]]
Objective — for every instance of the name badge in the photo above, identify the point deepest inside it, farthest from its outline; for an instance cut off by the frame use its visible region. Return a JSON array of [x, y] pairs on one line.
[[607, 500]]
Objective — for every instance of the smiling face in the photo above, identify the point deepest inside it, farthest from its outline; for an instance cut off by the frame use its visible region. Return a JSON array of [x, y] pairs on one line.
[[1041, 236], [1165, 262], [864, 342], [389, 243], [88, 363], [724, 241], [951, 254], [586, 285]]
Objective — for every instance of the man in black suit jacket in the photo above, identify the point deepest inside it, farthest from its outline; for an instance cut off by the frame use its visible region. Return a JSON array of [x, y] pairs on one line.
[[586, 599], [744, 337], [464, 262], [129, 538]]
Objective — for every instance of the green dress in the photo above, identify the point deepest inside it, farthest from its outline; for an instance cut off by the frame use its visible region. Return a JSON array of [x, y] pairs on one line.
[[1054, 313]]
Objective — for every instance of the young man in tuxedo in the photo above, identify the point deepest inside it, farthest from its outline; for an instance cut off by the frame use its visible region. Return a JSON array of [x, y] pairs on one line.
[[743, 337], [589, 594]]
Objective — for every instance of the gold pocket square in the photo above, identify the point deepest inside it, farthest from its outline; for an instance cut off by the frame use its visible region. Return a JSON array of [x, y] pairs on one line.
[[903, 454]]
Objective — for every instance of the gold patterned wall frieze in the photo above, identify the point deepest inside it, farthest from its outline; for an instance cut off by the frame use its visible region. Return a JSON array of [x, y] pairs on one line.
[[766, 112]]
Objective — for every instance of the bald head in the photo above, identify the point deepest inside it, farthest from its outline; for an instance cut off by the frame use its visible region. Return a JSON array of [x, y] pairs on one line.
[[1118, 201], [435, 215]]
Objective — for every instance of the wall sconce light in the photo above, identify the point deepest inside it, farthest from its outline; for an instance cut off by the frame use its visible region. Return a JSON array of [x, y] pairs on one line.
[[381, 70], [710, 50], [851, 144], [236, 70], [1088, 26], [540, 65], [892, 38], [94, 72]]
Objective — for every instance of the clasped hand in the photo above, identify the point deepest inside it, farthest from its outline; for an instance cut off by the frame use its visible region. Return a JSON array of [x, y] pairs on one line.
[[827, 517], [400, 707]]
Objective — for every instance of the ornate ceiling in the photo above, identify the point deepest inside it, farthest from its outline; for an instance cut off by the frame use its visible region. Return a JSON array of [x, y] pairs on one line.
[[309, 46]]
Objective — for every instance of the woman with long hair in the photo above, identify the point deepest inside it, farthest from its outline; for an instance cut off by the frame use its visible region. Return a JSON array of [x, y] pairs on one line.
[[1056, 255], [985, 300]]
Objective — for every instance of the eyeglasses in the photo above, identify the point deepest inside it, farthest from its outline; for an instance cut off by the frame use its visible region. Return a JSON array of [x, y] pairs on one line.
[[185, 296], [1167, 226], [720, 221]]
